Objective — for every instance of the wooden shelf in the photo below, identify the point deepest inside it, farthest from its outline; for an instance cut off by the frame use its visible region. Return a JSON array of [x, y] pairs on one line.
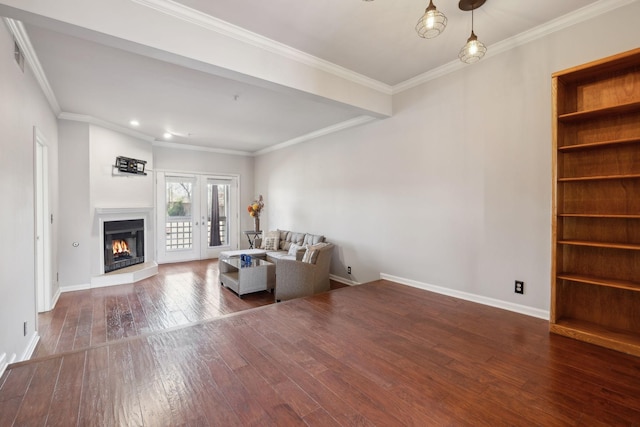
[[595, 287], [579, 215], [630, 246], [600, 144], [598, 281], [629, 107], [620, 340], [599, 178]]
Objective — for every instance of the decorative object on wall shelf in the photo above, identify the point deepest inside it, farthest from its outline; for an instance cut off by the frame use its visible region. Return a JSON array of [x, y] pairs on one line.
[[254, 210], [129, 165]]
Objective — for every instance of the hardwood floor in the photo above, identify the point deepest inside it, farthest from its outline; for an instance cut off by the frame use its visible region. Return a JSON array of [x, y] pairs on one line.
[[180, 294], [374, 354]]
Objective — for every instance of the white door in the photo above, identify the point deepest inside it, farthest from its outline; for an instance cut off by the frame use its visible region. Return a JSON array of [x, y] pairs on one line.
[[197, 216]]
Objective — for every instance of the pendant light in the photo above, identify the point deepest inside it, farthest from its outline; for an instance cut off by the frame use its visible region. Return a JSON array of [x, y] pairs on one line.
[[474, 50], [432, 23]]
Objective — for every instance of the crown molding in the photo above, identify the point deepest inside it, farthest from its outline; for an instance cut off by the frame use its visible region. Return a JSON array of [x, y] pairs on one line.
[[84, 118], [22, 38], [185, 13], [560, 23], [178, 146], [318, 133]]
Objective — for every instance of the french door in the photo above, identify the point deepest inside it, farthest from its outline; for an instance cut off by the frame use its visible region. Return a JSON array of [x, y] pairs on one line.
[[197, 216]]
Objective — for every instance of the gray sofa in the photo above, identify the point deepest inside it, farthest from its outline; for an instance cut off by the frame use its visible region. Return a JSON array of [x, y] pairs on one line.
[[295, 275], [285, 240], [295, 279]]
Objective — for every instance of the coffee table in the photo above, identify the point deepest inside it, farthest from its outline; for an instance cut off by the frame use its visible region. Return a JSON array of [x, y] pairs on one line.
[[243, 278]]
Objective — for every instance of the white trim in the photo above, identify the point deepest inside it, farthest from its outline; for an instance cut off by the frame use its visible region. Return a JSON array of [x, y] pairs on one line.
[[224, 28], [517, 308], [33, 341], [343, 280], [22, 38], [572, 18], [56, 297], [149, 267], [317, 133], [124, 211], [126, 275], [43, 293], [105, 124], [73, 288], [3, 363], [190, 147]]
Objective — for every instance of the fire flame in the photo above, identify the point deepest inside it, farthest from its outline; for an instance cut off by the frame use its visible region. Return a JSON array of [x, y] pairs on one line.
[[120, 247]]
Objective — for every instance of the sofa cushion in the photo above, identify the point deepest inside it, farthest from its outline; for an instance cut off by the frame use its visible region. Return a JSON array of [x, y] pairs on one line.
[[293, 249], [275, 256], [312, 239], [297, 238], [285, 236]]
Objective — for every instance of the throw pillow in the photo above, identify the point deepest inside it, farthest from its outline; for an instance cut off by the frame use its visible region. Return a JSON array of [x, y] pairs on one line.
[[273, 234], [271, 244], [293, 249], [311, 254]]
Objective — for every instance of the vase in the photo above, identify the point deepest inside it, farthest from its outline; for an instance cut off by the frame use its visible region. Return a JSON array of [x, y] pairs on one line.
[[256, 223]]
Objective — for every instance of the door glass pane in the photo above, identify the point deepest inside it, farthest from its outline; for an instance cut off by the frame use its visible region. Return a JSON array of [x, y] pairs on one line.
[[179, 223], [217, 214]]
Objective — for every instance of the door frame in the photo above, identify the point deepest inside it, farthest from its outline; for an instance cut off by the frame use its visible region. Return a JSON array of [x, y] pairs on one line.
[[43, 220], [201, 180]]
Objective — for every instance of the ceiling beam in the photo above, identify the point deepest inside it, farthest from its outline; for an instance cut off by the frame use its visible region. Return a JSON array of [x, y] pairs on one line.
[[166, 30]]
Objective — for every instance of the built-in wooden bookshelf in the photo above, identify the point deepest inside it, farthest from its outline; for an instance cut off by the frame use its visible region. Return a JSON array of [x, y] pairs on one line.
[[595, 284]]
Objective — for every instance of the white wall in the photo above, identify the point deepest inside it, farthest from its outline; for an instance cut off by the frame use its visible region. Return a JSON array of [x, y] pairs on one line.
[[88, 182], [75, 214], [203, 162], [454, 190], [22, 106], [119, 191]]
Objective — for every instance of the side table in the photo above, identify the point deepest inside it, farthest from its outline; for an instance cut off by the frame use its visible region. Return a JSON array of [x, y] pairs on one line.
[[251, 236]]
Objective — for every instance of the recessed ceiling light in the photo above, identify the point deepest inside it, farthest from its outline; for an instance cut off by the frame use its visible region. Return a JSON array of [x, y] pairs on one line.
[[134, 123], [167, 135]]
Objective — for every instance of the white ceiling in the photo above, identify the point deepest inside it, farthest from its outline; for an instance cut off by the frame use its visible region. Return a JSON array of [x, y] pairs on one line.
[[91, 74]]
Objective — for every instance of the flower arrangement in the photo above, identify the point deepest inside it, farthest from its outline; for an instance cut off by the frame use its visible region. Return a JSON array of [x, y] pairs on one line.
[[256, 207]]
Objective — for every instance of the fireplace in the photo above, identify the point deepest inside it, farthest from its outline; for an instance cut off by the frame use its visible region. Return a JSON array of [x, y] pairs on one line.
[[123, 244]]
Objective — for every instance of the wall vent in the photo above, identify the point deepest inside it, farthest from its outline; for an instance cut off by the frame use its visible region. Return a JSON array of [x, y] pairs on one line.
[[18, 55]]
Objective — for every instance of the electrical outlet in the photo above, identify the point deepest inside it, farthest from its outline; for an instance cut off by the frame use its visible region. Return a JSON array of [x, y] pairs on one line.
[[519, 287], [349, 270]]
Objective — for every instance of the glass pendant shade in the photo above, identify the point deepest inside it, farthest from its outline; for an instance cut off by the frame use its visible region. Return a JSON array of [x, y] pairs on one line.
[[432, 23], [473, 50]]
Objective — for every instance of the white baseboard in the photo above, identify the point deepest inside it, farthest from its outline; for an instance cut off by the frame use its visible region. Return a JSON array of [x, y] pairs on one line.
[[73, 288], [517, 308], [343, 280], [54, 301], [3, 363], [35, 337]]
